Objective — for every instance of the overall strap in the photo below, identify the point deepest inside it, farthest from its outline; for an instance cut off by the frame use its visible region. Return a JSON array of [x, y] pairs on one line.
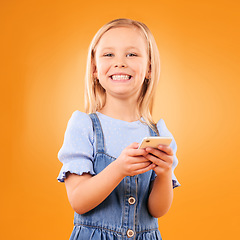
[[97, 130], [153, 133]]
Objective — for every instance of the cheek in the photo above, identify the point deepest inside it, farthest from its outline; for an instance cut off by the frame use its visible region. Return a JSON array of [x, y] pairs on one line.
[[141, 70], [102, 68]]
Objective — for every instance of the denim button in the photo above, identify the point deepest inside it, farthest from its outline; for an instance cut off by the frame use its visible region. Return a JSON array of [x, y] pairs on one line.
[[131, 200], [130, 233]]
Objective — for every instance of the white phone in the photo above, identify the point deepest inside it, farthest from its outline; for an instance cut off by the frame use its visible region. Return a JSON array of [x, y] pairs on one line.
[[155, 141]]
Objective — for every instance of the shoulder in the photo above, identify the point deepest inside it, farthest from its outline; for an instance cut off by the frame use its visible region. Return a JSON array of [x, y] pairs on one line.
[[79, 120], [79, 123], [162, 128], [164, 132]]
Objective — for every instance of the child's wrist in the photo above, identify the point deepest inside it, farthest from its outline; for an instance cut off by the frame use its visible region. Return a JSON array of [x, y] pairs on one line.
[[164, 173], [117, 170]]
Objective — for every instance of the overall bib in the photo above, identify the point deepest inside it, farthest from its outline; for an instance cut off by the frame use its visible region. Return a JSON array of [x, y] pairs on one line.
[[123, 214]]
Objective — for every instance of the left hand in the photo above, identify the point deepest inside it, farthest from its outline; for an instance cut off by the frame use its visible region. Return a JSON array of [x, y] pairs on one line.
[[162, 157]]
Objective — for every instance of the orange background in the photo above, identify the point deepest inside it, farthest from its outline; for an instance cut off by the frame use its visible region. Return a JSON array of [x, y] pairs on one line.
[[43, 58]]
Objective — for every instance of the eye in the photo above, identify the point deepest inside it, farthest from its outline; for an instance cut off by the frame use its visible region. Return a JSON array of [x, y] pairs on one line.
[[108, 55], [131, 55]]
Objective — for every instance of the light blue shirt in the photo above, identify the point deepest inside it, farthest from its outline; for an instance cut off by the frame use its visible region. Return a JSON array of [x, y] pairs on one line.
[[79, 147]]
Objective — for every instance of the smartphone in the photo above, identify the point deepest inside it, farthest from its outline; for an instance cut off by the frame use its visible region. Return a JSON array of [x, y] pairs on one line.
[[155, 141]]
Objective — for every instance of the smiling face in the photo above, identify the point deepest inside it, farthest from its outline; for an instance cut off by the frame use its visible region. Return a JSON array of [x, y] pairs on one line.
[[121, 62]]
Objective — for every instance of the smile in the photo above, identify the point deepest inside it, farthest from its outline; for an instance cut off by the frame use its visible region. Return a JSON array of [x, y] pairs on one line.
[[120, 77]]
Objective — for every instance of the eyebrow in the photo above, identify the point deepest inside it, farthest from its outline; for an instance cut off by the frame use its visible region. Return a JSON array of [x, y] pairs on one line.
[[128, 48]]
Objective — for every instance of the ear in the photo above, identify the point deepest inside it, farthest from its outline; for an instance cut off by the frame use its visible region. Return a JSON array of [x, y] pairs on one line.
[[148, 73]]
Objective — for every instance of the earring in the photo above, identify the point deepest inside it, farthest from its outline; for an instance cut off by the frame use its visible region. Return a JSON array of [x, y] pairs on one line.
[[147, 80], [95, 81]]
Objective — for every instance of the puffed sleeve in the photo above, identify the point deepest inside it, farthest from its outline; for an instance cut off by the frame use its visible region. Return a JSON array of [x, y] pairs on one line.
[[164, 132], [77, 150]]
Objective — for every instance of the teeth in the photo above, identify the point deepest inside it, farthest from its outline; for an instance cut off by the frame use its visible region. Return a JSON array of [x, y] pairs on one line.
[[120, 77]]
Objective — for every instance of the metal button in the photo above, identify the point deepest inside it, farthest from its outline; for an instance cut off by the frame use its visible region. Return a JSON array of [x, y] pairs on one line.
[[131, 200], [130, 233]]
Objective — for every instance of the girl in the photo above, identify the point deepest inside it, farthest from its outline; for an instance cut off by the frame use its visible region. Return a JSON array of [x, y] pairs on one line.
[[117, 190]]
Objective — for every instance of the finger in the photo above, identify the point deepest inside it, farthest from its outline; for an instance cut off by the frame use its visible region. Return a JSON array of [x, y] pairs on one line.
[[146, 169], [136, 152], [138, 166], [156, 153], [155, 160], [139, 160], [134, 145], [161, 165], [167, 149], [157, 157]]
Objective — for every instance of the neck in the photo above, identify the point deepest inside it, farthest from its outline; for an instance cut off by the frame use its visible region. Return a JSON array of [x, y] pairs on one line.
[[125, 110]]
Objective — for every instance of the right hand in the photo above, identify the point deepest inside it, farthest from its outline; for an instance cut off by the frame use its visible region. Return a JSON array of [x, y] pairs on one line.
[[132, 161]]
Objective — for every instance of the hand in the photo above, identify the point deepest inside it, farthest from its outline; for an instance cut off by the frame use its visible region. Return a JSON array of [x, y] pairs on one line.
[[162, 157], [132, 161]]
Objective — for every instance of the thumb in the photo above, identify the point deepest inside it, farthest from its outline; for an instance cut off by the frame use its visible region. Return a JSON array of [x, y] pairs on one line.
[[134, 145]]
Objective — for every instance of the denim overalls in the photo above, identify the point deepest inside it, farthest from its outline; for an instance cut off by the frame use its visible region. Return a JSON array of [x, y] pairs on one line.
[[123, 214]]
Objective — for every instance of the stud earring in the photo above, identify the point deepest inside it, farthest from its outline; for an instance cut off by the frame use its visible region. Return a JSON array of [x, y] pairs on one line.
[[147, 80], [95, 81]]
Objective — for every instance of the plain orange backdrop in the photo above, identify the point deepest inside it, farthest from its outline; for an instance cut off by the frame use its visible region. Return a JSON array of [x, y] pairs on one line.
[[43, 58]]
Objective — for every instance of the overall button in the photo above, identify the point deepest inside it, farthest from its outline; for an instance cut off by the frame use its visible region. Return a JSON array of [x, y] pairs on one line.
[[131, 200], [130, 233]]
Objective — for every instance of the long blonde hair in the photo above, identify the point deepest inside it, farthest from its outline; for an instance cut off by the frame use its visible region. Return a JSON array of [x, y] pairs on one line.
[[95, 95]]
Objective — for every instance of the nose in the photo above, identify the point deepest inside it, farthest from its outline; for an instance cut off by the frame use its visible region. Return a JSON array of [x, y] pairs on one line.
[[120, 65]]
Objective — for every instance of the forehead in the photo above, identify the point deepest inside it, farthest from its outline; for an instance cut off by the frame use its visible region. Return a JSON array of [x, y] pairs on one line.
[[122, 37]]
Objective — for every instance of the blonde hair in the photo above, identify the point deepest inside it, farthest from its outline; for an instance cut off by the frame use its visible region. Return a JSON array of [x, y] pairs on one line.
[[95, 95]]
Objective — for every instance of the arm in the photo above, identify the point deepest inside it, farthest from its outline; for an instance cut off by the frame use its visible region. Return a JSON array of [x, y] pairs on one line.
[[161, 195], [86, 192]]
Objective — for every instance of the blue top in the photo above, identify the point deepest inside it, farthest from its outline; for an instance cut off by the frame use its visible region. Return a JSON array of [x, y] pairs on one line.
[[91, 143], [79, 148]]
